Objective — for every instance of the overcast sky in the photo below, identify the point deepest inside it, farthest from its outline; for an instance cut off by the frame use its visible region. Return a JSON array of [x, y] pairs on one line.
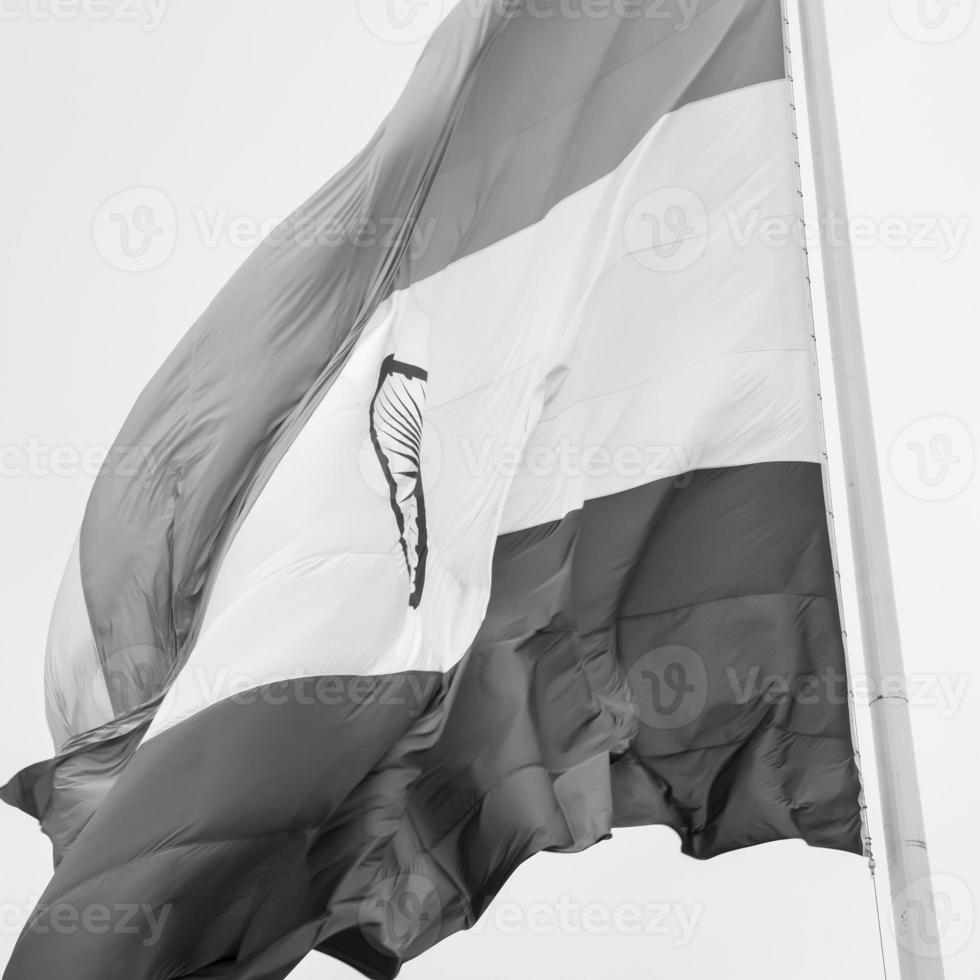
[[225, 116]]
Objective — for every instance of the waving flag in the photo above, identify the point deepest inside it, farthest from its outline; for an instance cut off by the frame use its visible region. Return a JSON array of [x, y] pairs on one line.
[[483, 513]]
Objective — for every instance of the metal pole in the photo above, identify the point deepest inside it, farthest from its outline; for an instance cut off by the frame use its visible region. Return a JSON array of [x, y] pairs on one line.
[[913, 904]]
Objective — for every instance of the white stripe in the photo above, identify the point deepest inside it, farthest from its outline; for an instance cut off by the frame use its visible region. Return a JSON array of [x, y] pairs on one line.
[[76, 697], [569, 334]]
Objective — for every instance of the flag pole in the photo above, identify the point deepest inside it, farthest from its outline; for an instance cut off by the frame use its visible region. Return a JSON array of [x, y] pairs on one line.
[[913, 904]]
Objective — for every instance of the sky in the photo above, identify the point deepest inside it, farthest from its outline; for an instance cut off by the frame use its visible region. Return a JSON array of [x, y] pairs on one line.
[[213, 121]]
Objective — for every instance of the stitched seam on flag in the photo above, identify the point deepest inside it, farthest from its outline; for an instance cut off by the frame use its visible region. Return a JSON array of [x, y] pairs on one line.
[[728, 598]]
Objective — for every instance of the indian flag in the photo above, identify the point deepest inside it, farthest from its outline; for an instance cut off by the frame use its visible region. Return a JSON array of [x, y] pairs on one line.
[[483, 513]]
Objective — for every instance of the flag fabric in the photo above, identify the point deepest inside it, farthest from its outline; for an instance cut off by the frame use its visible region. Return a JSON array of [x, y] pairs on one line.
[[482, 512]]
